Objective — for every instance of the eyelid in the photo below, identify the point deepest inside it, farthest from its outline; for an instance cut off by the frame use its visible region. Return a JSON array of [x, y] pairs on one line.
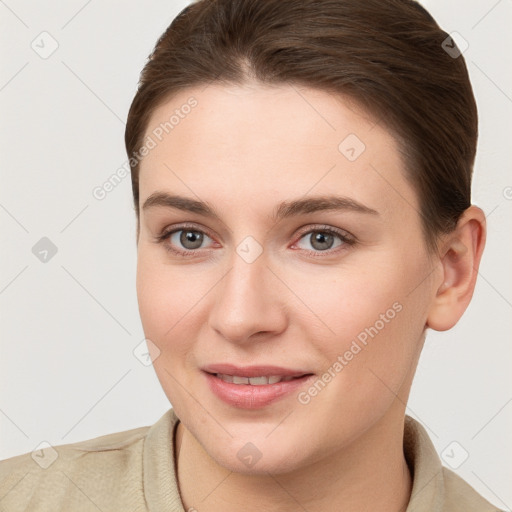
[[326, 227], [180, 227], [346, 238], [167, 232]]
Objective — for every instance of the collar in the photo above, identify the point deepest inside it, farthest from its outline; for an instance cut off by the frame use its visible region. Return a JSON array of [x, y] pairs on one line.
[[161, 486], [427, 493]]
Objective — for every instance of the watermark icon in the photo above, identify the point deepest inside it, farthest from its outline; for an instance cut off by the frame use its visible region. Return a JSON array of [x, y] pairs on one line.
[[454, 455], [507, 193], [146, 352], [45, 45], [150, 142], [44, 250], [357, 345], [351, 147], [249, 249], [249, 454], [454, 45], [44, 454]]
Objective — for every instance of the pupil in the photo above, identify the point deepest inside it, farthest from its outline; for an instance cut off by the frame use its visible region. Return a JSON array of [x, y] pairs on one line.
[[322, 239], [191, 237]]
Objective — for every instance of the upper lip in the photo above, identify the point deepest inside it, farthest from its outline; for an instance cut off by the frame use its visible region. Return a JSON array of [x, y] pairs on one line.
[[253, 370]]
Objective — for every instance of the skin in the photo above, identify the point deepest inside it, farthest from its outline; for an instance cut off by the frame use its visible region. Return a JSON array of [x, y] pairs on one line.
[[244, 150]]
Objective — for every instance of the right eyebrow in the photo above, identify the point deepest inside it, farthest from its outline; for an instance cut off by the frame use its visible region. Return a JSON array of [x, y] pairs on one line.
[[165, 200]]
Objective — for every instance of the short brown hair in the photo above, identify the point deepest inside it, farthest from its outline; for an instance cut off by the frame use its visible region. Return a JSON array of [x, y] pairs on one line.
[[387, 55]]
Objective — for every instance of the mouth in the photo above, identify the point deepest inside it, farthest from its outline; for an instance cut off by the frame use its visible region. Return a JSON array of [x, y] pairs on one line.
[[257, 381], [255, 375], [254, 387]]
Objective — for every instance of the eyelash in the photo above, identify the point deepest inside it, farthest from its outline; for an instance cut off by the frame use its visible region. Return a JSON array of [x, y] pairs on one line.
[[345, 239]]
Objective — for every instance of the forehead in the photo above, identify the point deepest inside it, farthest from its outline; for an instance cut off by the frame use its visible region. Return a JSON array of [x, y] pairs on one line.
[[256, 116], [286, 140]]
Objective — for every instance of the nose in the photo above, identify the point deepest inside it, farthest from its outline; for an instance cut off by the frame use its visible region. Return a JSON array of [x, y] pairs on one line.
[[249, 302]]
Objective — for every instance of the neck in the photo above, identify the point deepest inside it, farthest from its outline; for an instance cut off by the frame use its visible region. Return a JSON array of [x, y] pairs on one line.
[[369, 474]]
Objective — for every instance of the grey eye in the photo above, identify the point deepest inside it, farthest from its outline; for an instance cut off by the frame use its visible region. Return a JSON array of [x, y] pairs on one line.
[[188, 238], [321, 240]]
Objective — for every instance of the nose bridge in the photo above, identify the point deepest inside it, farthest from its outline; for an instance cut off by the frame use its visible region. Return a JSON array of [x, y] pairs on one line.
[[244, 303]]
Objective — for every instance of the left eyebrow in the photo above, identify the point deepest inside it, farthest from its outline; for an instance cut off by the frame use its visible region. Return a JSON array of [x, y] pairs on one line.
[[320, 203], [286, 209]]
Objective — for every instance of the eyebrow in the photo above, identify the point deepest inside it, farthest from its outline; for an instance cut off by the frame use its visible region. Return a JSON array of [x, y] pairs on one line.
[[284, 210]]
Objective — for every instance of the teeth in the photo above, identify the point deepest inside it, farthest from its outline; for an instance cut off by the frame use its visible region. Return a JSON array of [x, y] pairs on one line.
[[240, 380], [253, 381], [258, 381]]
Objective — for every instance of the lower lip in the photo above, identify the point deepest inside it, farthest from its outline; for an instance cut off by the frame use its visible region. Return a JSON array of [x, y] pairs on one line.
[[246, 396]]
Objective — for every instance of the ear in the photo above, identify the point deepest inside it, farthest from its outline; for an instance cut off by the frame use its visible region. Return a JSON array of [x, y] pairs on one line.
[[460, 256]]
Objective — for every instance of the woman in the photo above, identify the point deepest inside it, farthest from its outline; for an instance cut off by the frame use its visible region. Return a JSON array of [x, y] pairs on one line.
[[301, 176]]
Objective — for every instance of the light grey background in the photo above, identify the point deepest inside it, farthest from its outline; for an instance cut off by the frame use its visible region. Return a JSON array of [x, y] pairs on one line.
[[70, 325]]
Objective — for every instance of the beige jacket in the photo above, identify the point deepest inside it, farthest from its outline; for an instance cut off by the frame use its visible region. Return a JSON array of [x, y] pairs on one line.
[[134, 471]]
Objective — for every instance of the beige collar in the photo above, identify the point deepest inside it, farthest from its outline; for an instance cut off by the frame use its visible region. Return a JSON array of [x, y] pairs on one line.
[[434, 488]]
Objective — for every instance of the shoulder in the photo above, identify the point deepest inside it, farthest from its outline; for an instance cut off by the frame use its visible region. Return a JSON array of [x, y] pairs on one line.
[[435, 487], [67, 473], [461, 496], [55, 458]]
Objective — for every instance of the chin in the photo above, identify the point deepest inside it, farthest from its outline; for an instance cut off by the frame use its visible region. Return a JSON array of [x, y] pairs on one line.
[[256, 454], [269, 462]]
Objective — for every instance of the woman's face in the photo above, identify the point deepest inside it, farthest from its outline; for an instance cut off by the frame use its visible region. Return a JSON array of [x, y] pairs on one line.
[[303, 250]]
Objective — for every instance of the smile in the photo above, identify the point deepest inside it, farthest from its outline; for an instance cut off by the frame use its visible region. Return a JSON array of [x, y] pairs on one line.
[[254, 381]]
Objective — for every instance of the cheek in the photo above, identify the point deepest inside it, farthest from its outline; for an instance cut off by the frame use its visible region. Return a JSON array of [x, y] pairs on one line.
[[375, 323], [165, 296], [350, 300]]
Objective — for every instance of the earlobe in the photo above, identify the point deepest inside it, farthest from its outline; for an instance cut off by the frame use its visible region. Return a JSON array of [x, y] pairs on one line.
[[460, 259]]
